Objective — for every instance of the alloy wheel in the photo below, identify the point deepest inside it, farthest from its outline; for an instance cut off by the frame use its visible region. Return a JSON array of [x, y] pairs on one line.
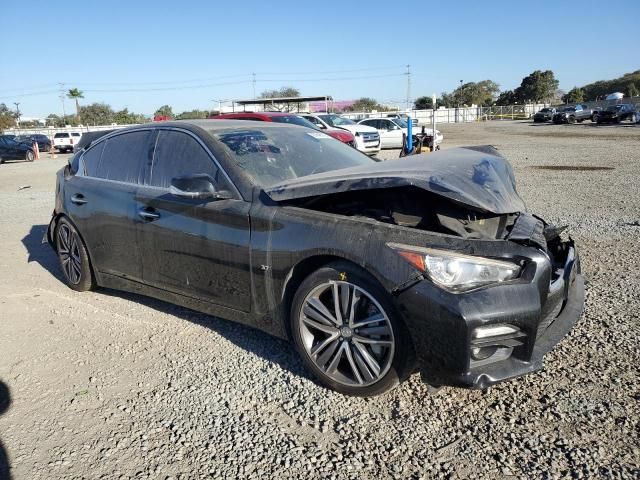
[[69, 254], [29, 156], [346, 333]]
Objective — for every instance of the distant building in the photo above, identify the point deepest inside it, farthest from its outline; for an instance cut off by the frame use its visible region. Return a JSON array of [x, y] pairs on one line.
[[334, 106]]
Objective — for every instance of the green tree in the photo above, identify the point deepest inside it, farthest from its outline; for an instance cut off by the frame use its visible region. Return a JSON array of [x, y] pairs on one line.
[[283, 92], [164, 111], [125, 117], [537, 87], [7, 117], [193, 114], [575, 95], [472, 93], [425, 103], [76, 94], [632, 90], [97, 114], [508, 97]]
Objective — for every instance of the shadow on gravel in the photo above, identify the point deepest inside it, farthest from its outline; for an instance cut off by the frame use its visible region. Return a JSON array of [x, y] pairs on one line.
[[5, 401], [270, 348], [247, 338], [41, 253]]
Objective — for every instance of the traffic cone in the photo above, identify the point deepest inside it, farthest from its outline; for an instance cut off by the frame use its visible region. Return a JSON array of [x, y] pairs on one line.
[[36, 150], [52, 151]]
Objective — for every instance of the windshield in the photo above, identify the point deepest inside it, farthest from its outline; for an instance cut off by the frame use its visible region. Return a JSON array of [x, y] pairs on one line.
[[294, 120], [569, 109], [545, 110], [614, 108], [272, 155], [336, 120]]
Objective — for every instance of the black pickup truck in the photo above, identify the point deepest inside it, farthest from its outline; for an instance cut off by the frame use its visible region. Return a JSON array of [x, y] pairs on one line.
[[573, 114]]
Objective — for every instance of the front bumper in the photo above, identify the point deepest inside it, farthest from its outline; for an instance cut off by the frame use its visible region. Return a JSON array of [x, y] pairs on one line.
[[543, 306]]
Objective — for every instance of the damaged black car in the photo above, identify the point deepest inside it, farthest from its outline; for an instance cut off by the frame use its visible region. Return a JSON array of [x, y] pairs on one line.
[[373, 270]]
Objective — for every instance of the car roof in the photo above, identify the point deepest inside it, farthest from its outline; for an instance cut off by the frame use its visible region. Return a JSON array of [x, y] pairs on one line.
[[254, 114]]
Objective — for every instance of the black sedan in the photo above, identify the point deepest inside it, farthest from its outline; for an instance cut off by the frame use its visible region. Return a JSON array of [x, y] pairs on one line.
[[372, 269], [11, 149], [544, 115], [44, 144], [618, 113]]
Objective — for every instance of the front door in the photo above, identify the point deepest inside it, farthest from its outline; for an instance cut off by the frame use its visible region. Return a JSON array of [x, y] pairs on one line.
[[197, 248]]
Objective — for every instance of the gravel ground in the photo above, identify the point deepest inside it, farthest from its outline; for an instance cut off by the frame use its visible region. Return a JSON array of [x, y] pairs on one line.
[[111, 385]]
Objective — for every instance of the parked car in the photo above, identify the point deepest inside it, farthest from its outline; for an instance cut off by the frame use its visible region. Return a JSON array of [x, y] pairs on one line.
[[544, 115], [65, 141], [367, 139], [403, 116], [573, 114], [88, 137], [290, 118], [373, 269], [12, 149], [392, 129], [618, 113], [44, 144]]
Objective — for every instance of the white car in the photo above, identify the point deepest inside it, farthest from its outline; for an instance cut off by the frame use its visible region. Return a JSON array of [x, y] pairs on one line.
[[367, 138], [65, 141], [392, 129]]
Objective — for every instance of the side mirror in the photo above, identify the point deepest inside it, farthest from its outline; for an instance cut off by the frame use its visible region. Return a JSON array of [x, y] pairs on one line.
[[320, 125], [196, 187]]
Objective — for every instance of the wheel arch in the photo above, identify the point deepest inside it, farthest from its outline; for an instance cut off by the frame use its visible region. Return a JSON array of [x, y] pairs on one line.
[[301, 270], [54, 231]]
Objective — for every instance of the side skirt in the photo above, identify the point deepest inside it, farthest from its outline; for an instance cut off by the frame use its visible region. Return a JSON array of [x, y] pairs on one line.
[[114, 282]]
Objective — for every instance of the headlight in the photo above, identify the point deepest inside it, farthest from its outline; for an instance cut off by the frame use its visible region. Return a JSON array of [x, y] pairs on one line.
[[457, 272]]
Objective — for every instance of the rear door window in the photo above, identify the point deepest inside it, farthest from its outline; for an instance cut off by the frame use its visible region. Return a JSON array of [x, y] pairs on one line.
[[178, 154], [124, 157], [61, 135], [91, 159]]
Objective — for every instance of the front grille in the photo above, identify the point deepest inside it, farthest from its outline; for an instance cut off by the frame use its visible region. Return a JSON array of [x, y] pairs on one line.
[[371, 137]]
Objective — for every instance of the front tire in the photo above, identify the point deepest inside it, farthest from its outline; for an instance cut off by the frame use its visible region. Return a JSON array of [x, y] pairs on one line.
[[73, 257], [29, 156], [347, 331]]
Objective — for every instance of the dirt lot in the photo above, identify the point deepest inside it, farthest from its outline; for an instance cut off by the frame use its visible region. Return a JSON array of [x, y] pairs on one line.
[[111, 385]]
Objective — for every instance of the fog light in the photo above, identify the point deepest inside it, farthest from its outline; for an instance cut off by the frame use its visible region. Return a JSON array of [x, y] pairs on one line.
[[482, 353]]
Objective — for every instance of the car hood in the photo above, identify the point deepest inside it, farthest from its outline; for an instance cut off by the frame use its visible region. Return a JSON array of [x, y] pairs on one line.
[[477, 177], [358, 128]]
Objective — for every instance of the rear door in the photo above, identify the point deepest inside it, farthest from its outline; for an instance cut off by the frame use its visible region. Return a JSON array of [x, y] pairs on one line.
[[197, 248], [100, 200]]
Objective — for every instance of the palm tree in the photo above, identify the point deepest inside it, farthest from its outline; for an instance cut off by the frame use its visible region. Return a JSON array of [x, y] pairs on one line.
[[76, 94]]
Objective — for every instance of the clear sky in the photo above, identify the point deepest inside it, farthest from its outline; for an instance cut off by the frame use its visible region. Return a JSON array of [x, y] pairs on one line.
[[143, 54]]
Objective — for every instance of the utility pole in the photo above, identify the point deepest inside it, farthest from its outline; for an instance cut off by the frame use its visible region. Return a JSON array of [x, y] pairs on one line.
[[64, 114], [253, 75], [17, 104], [408, 85]]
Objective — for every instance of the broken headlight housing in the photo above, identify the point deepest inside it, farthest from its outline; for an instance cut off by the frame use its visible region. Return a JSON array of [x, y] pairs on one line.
[[457, 272]]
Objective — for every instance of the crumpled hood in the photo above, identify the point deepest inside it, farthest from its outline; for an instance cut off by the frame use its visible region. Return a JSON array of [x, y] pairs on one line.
[[474, 176]]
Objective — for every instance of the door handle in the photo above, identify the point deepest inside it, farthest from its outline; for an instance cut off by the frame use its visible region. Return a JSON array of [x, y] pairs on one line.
[[148, 214], [78, 199]]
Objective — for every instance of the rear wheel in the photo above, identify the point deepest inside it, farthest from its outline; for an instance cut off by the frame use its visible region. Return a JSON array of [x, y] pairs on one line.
[[347, 332], [634, 118], [29, 156], [571, 120], [73, 257]]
